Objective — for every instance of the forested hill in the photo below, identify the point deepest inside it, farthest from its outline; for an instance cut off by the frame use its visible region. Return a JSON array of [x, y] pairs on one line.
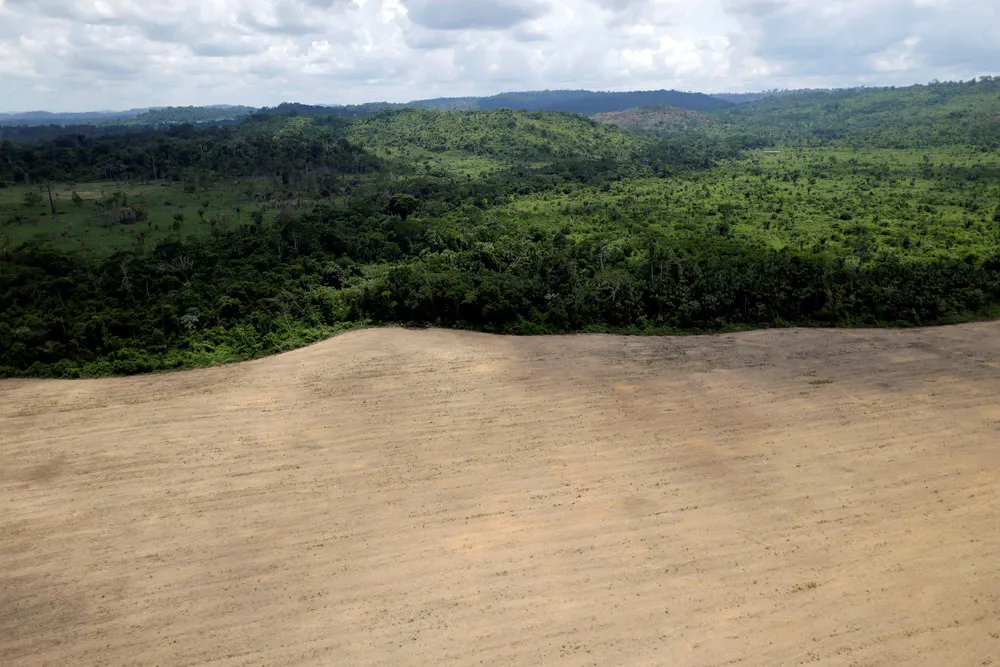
[[579, 101], [49, 118], [318, 110], [583, 102], [40, 126], [938, 114], [132, 118], [202, 243], [655, 119], [500, 134]]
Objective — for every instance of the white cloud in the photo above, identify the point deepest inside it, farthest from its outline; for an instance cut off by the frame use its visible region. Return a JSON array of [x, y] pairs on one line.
[[98, 54], [900, 57]]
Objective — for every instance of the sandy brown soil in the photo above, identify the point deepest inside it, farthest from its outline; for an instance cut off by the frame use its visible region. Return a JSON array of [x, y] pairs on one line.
[[433, 497]]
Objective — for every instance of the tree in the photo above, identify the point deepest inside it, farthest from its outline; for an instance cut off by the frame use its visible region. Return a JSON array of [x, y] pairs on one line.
[[402, 205], [52, 203]]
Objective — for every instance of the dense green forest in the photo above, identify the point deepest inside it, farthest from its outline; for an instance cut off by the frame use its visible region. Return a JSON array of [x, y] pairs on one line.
[[201, 243]]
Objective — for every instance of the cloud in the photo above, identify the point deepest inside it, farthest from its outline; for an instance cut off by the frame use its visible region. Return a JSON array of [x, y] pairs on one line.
[[478, 15], [838, 40], [641, 12], [216, 48], [99, 54], [528, 35]]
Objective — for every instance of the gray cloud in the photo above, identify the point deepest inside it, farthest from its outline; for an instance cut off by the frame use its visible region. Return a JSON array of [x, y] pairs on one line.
[[422, 38], [97, 54], [800, 33], [226, 49], [525, 35], [621, 4], [868, 38], [631, 12], [478, 15]]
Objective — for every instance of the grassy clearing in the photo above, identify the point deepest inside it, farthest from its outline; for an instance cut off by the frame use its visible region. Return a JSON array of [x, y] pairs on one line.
[[92, 221]]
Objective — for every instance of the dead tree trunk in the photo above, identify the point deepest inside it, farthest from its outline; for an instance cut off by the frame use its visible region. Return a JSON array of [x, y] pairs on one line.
[[52, 203]]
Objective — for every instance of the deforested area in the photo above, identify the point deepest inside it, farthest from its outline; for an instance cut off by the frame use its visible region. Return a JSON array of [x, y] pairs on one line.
[[398, 496]]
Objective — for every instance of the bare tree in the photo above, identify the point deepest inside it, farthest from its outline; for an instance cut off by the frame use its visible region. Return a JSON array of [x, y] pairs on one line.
[[52, 204], [126, 280], [185, 263]]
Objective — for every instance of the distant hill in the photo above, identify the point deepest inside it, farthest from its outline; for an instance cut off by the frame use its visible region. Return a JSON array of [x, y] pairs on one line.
[[742, 98], [149, 117], [193, 115], [497, 134], [585, 102], [448, 104], [340, 110], [84, 118], [654, 118], [745, 98], [937, 114]]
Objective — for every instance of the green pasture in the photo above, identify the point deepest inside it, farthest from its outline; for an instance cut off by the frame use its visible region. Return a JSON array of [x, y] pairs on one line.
[[93, 222]]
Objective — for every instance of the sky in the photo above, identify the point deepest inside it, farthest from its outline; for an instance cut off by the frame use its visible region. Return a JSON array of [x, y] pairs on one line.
[[80, 55]]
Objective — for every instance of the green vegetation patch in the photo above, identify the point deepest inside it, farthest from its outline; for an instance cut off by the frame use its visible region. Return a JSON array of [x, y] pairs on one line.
[[501, 135], [917, 204], [106, 217], [198, 245]]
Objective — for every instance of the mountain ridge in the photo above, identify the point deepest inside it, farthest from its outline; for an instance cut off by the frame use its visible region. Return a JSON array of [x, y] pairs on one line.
[[586, 102]]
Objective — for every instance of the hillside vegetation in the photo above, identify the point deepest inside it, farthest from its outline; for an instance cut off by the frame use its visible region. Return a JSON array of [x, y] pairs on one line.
[[576, 101], [193, 245], [580, 101], [937, 115], [501, 136], [654, 118], [144, 118]]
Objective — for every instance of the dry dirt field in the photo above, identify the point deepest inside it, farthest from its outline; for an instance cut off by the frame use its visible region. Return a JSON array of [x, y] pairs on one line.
[[434, 497]]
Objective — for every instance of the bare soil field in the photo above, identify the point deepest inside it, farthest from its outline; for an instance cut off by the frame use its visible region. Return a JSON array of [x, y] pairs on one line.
[[436, 497]]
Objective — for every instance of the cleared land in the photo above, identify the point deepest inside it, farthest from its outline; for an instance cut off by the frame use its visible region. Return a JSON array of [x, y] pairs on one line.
[[427, 497]]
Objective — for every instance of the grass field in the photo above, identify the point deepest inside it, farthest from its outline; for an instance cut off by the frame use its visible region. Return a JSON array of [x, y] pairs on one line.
[[395, 497], [93, 223]]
